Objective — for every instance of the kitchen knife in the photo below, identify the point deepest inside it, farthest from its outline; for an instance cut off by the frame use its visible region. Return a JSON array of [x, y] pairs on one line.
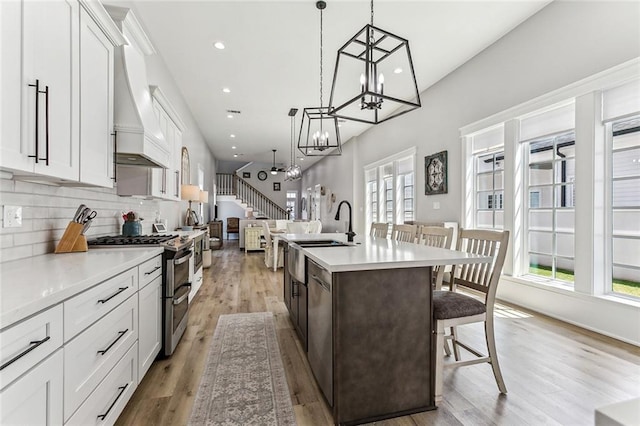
[[86, 226], [77, 217]]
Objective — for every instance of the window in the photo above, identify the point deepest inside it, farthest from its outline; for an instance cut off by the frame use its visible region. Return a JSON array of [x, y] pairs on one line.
[[292, 199], [488, 163], [625, 207], [390, 189], [551, 176]]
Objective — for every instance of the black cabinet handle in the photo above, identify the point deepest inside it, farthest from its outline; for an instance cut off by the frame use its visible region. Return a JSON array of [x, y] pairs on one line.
[[115, 153], [46, 120], [37, 86], [121, 389], [32, 345], [153, 270], [120, 290], [294, 285], [120, 334]]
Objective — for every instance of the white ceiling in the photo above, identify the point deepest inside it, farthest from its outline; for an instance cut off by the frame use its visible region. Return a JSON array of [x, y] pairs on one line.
[[271, 61]]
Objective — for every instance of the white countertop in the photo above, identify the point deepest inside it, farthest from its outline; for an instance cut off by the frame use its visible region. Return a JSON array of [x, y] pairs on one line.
[[378, 253], [28, 286]]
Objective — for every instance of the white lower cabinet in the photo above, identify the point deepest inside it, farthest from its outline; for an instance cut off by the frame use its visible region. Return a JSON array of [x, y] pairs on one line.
[[36, 398], [106, 403], [89, 357], [150, 333]]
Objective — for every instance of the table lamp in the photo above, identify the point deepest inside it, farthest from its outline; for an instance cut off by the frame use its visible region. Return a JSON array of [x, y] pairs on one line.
[[189, 193]]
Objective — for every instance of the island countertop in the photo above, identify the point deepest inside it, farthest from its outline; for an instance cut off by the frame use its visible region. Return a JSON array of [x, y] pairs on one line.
[[369, 253], [30, 285]]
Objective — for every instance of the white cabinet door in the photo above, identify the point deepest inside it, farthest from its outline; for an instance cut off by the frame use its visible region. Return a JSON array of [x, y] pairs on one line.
[[96, 104], [150, 323], [50, 59], [36, 398], [14, 149]]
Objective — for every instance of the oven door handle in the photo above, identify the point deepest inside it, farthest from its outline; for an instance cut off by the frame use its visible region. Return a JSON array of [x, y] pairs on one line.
[[184, 296], [183, 259]]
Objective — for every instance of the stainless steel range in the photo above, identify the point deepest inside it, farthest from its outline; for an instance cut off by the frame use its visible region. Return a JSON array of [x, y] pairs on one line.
[[175, 279]]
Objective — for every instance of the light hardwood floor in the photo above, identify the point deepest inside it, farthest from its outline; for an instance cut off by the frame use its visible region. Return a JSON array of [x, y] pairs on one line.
[[556, 374]]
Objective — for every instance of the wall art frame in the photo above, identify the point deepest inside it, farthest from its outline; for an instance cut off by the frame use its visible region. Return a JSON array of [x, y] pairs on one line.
[[435, 174]]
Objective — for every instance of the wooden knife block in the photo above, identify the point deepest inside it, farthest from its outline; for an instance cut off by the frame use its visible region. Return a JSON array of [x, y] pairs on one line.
[[72, 239]]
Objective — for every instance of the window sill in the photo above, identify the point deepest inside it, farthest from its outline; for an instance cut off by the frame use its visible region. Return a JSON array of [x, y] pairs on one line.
[[562, 288]]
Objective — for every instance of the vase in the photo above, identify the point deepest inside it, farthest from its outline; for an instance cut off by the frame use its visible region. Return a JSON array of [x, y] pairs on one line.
[[132, 229]]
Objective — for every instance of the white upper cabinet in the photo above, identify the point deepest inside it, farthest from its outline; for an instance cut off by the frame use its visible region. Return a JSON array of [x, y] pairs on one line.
[[47, 141], [49, 114], [96, 102]]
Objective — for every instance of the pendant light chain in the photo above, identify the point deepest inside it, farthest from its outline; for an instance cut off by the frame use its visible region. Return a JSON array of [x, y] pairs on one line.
[[372, 13], [321, 104]]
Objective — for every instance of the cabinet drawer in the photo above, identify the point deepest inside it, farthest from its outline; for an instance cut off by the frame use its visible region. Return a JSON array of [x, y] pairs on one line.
[[149, 270], [106, 403], [29, 342], [86, 308], [90, 356], [36, 398]]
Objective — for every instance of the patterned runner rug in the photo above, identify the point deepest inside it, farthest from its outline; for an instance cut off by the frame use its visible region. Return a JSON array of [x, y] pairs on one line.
[[244, 381]]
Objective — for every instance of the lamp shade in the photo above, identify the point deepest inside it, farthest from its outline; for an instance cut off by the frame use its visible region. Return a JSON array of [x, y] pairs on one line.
[[204, 196], [190, 192]]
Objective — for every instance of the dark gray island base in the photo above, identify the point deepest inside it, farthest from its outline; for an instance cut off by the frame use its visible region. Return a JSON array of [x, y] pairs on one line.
[[369, 339], [382, 340]]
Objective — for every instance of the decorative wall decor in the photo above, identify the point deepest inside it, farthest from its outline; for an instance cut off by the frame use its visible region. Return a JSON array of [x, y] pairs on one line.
[[435, 173], [276, 186], [246, 175], [185, 167]]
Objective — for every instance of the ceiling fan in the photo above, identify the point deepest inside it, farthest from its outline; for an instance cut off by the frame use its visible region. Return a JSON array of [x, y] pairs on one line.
[[274, 170]]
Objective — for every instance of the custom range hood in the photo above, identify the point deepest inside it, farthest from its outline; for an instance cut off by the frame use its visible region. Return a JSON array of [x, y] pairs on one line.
[[139, 140]]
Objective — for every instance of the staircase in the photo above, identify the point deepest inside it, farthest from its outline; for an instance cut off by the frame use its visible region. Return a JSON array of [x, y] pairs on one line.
[[253, 201]]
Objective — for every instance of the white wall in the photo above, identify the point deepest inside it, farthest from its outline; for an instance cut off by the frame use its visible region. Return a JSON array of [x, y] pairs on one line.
[[266, 186], [563, 43]]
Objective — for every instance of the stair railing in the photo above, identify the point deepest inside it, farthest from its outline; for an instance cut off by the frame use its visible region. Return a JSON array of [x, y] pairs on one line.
[[231, 184]]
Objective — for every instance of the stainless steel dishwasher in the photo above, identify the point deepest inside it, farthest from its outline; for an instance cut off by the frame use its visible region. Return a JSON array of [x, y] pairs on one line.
[[320, 324]]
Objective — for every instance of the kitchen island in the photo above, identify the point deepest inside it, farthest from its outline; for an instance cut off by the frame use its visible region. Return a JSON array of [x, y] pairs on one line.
[[369, 333]]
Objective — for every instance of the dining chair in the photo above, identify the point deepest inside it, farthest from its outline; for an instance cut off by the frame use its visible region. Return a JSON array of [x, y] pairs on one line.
[[379, 230], [436, 236], [233, 226], [268, 248], [452, 308], [406, 233], [297, 227], [315, 227]]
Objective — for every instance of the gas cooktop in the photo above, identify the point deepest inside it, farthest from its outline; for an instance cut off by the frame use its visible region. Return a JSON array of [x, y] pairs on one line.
[[172, 242]]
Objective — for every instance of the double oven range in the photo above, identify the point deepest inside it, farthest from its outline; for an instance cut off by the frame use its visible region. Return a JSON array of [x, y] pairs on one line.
[[176, 282]]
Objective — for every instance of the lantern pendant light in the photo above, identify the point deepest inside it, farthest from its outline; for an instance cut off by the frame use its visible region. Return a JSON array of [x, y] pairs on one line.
[[381, 63], [319, 133]]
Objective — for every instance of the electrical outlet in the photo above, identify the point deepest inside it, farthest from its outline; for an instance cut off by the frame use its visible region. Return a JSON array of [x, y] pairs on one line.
[[436, 205], [12, 217]]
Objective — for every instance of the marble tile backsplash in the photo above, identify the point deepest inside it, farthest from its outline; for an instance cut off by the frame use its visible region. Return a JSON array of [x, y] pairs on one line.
[[47, 210]]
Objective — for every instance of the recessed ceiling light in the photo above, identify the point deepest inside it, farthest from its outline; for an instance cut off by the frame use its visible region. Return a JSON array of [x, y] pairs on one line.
[[232, 136], [301, 158], [235, 155], [226, 90], [229, 115], [218, 45], [233, 147], [397, 70]]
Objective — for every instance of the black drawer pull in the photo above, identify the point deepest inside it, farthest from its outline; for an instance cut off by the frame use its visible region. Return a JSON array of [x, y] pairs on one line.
[[33, 344], [121, 333], [153, 270], [121, 389], [120, 290]]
